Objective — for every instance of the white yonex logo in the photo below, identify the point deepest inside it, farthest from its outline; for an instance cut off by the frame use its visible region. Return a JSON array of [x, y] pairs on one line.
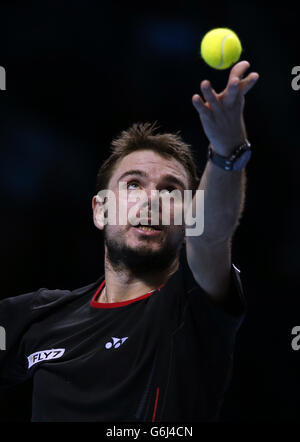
[[45, 355], [116, 342]]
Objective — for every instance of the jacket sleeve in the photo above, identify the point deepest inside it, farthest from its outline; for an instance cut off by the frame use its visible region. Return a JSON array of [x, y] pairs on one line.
[[232, 311], [203, 346], [16, 315]]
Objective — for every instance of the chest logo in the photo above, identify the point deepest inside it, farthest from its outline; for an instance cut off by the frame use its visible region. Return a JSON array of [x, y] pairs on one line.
[[117, 342], [45, 355]]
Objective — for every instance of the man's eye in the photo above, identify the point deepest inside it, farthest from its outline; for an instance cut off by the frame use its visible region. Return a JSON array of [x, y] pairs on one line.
[[168, 189], [132, 183]]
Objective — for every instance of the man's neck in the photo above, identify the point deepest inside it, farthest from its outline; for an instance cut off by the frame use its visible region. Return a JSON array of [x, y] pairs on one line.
[[123, 285]]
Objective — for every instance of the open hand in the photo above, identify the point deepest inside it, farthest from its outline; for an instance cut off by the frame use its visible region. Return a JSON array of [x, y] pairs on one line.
[[221, 114]]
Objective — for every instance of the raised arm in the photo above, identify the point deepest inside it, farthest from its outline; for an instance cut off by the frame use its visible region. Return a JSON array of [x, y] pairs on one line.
[[221, 115]]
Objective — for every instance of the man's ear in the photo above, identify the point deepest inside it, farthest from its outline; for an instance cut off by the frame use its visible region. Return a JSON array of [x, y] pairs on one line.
[[98, 212]]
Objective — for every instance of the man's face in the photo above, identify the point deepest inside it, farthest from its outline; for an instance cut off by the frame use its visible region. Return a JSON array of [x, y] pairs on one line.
[[128, 245]]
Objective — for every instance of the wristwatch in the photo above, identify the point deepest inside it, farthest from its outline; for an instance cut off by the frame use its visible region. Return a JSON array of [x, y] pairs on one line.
[[236, 161]]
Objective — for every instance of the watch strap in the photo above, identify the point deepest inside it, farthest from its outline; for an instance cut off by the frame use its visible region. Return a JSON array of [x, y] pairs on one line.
[[236, 161]]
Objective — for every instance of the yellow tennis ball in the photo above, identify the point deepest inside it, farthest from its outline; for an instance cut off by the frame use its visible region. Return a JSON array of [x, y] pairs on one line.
[[220, 48]]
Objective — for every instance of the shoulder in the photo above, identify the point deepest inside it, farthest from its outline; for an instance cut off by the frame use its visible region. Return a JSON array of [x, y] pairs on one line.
[[235, 307], [43, 298], [47, 298]]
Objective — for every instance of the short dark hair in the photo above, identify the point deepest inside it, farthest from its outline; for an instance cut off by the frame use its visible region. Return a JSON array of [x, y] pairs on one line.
[[142, 136]]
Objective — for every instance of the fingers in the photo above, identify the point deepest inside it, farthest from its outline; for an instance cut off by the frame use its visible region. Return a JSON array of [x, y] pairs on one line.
[[232, 91], [199, 105], [239, 69], [236, 86], [210, 95], [247, 83]]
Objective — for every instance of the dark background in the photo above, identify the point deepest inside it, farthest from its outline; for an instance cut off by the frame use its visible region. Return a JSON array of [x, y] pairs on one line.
[[80, 72]]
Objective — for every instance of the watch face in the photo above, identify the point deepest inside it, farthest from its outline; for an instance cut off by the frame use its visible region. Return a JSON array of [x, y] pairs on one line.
[[241, 161]]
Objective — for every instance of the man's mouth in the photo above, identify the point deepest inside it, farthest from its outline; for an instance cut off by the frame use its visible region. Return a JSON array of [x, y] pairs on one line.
[[148, 230], [148, 227]]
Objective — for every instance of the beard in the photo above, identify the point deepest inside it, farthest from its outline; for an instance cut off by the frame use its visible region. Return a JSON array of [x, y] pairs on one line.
[[140, 261]]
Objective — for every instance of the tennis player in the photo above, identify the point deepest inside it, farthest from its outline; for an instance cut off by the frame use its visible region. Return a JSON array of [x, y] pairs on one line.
[[152, 339]]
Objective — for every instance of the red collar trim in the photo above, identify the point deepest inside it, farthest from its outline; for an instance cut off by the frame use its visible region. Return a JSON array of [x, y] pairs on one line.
[[97, 304]]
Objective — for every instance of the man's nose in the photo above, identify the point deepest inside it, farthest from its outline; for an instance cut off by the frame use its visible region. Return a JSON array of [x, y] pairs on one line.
[[152, 201], [152, 196]]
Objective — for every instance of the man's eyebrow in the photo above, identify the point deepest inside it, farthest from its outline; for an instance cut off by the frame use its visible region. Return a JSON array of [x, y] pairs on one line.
[[174, 180], [133, 172], [143, 174]]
